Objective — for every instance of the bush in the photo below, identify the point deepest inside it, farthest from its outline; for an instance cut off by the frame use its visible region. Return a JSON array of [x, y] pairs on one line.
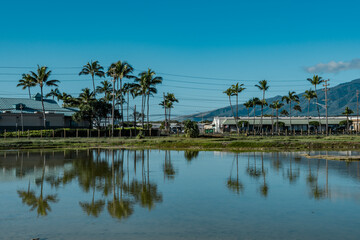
[[191, 129], [314, 123]]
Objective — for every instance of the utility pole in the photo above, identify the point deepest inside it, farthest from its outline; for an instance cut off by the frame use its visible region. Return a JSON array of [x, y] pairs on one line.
[[357, 112], [22, 117], [135, 119], [326, 84]]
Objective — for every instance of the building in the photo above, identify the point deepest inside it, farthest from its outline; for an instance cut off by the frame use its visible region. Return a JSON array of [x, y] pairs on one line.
[[25, 113], [227, 124]]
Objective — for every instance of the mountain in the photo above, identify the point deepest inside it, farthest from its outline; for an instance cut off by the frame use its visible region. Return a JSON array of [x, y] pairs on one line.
[[339, 97]]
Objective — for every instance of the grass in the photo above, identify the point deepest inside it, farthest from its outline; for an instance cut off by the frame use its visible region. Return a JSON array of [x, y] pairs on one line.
[[231, 143]]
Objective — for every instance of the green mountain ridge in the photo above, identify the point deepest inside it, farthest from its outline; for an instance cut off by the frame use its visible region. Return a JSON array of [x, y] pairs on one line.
[[339, 97]]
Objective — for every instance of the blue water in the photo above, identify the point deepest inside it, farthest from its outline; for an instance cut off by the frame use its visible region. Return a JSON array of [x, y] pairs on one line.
[[152, 194]]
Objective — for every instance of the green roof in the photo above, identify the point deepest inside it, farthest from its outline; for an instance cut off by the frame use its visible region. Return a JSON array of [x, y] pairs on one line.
[[32, 105]]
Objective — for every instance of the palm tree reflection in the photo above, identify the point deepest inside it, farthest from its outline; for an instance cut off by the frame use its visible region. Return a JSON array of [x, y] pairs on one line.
[[233, 183]]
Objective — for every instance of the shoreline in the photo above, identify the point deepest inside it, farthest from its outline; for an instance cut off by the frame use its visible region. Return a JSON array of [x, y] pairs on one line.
[[274, 144]]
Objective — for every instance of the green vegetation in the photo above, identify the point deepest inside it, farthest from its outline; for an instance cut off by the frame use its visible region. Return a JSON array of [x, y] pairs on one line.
[[232, 143]]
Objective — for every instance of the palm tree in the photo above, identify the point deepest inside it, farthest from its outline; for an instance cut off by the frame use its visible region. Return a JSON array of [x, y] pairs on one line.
[[105, 87], [277, 105], [347, 112], [41, 78], [170, 99], [297, 108], [309, 94], [127, 90], [93, 69], [26, 82], [248, 105], [291, 97], [229, 93], [121, 70], [236, 89], [254, 101], [86, 96], [316, 80], [263, 86], [54, 93]]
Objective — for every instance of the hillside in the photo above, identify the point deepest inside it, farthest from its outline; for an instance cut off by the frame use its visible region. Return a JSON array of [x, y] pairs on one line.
[[339, 97]]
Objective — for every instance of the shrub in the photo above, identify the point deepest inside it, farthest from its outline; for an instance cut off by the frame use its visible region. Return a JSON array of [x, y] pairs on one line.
[[191, 129]]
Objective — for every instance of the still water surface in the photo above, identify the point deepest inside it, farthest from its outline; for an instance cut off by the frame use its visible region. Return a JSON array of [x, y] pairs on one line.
[[152, 194]]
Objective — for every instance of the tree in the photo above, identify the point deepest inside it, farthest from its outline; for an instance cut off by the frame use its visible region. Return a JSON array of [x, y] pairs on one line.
[[93, 69], [309, 95], [263, 86], [277, 105], [297, 108], [54, 93], [26, 82], [291, 97], [105, 88], [236, 89], [254, 101], [229, 93], [41, 78], [316, 80], [120, 70], [248, 105], [191, 129], [168, 103], [347, 112], [284, 113]]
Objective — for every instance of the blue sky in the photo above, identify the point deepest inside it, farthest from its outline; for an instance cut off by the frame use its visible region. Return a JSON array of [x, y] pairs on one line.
[[240, 40]]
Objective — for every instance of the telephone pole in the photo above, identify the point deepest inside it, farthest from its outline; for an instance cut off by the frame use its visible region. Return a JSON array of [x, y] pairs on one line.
[[326, 84], [357, 112]]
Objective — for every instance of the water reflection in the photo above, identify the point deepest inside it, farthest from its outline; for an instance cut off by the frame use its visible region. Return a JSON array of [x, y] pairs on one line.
[[120, 181]]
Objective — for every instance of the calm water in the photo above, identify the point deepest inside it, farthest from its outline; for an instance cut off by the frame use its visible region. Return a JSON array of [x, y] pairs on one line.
[[121, 194]]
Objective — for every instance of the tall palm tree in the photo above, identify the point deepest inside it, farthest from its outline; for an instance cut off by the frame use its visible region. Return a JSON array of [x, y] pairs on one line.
[[121, 69], [147, 81], [236, 89], [93, 69], [127, 90], [248, 105], [316, 80], [170, 99], [347, 112], [105, 87], [277, 105], [254, 101], [309, 95], [229, 93], [291, 97], [41, 78], [112, 73], [263, 86], [26, 82]]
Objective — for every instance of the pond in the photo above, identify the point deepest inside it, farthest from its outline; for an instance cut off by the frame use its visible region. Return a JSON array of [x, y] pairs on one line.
[[156, 194]]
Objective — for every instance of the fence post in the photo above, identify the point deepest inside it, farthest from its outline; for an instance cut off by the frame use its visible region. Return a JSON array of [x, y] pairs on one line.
[[88, 133], [285, 132], [41, 132], [53, 133], [130, 132]]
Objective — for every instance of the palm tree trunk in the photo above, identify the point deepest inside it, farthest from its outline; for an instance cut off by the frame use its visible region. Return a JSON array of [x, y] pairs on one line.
[[127, 108], [248, 125], [93, 81], [317, 107], [308, 117], [148, 107], [142, 109], [232, 110], [113, 110], [121, 104], [262, 110], [254, 119], [169, 119], [237, 113], [42, 105], [29, 93], [272, 121], [277, 120], [290, 117]]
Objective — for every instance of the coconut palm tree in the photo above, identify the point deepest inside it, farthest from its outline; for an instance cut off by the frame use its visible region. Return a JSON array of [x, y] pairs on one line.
[[347, 112], [229, 93], [309, 95], [93, 69], [248, 105], [170, 99], [26, 82], [127, 88], [291, 97], [254, 101], [41, 78], [263, 86], [112, 73], [277, 105], [54, 93], [105, 88], [121, 69], [316, 80], [236, 89]]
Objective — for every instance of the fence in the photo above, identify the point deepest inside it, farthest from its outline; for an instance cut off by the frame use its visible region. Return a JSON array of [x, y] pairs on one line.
[[78, 133]]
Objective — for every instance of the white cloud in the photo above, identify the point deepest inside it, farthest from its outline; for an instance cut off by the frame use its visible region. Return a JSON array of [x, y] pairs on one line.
[[334, 67]]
